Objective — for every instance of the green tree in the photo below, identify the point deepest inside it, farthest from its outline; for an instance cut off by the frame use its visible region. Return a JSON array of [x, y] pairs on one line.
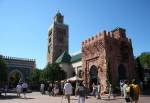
[[14, 79], [35, 75], [145, 59], [34, 79], [142, 62], [3, 71], [53, 72], [139, 69]]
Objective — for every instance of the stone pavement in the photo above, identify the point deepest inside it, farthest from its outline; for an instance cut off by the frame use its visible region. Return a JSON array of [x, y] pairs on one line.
[[36, 97]]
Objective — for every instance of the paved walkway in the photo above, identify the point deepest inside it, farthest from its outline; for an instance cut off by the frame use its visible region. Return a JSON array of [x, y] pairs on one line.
[[36, 97]]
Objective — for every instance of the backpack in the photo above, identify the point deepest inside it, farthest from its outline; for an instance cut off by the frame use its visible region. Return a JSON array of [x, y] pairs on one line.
[[133, 94], [82, 91]]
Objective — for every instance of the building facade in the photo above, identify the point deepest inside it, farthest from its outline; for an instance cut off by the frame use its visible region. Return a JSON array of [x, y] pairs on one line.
[[105, 50], [57, 38], [21, 66], [108, 50], [77, 64]]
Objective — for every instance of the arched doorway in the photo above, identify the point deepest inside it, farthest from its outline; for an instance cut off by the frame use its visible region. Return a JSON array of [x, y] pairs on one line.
[[14, 78], [121, 72], [93, 73]]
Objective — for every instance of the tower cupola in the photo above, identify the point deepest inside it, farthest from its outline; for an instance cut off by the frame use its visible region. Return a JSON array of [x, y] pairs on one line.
[[59, 18]]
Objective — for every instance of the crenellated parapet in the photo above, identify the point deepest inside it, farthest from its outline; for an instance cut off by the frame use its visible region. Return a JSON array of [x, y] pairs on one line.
[[117, 33], [98, 36], [19, 59]]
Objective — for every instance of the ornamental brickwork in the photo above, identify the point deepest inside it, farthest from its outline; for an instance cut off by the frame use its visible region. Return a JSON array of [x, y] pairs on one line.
[[58, 35], [113, 47], [22, 66]]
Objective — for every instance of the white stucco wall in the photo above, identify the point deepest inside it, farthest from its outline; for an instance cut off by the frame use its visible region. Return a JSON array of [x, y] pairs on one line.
[[77, 66], [67, 68]]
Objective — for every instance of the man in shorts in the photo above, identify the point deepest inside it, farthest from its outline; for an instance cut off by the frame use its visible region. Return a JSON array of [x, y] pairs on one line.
[[68, 90]]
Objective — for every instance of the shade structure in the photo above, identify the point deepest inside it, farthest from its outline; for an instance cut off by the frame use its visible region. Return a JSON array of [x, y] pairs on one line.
[[75, 78]]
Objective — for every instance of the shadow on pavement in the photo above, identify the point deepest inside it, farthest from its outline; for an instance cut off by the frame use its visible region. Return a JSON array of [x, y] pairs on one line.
[[8, 97], [12, 97], [27, 98], [73, 99], [105, 99]]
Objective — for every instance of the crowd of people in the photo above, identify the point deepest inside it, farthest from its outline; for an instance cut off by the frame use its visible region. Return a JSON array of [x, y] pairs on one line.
[[52, 89], [129, 90], [21, 87]]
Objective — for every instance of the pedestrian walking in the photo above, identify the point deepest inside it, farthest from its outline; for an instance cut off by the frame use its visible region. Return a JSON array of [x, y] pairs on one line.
[[99, 91], [18, 89], [42, 86], [24, 88], [68, 90], [121, 87], [50, 88], [110, 90], [94, 92], [81, 92], [56, 90], [141, 86], [126, 92], [136, 91]]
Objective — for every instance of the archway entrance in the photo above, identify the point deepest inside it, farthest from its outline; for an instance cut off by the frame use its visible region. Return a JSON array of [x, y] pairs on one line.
[[121, 72], [93, 76], [14, 78]]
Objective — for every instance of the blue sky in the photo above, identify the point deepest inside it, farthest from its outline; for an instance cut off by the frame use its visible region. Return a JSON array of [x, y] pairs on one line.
[[24, 24]]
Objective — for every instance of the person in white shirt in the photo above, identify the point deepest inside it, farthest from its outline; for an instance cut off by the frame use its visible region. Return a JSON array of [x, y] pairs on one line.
[[42, 88], [68, 90], [126, 89], [99, 91], [56, 90], [18, 89], [24, 87], [121, 87]]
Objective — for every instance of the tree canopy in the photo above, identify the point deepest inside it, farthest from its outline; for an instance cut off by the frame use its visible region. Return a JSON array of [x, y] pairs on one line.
[[35, 75], [53, 72], [3, 71], [145, 60], [142, 62], [139, 69]]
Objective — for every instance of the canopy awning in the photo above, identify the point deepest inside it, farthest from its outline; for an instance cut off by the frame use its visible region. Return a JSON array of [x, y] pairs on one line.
[[75, 78]]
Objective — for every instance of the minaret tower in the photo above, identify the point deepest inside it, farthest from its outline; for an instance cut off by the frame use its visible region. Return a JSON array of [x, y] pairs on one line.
[[57, 38]]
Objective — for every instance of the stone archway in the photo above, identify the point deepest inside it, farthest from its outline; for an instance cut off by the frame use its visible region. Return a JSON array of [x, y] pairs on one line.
[[93, 74], [19, 77], [121, 72]]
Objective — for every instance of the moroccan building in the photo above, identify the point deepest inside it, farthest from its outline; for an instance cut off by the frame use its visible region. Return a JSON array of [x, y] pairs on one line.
[[104, 50], [58, 35], [57, 38], [22, 66], [108, 50]]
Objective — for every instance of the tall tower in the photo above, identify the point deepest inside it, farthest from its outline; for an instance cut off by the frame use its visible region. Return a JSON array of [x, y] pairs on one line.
[[57, 38]]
